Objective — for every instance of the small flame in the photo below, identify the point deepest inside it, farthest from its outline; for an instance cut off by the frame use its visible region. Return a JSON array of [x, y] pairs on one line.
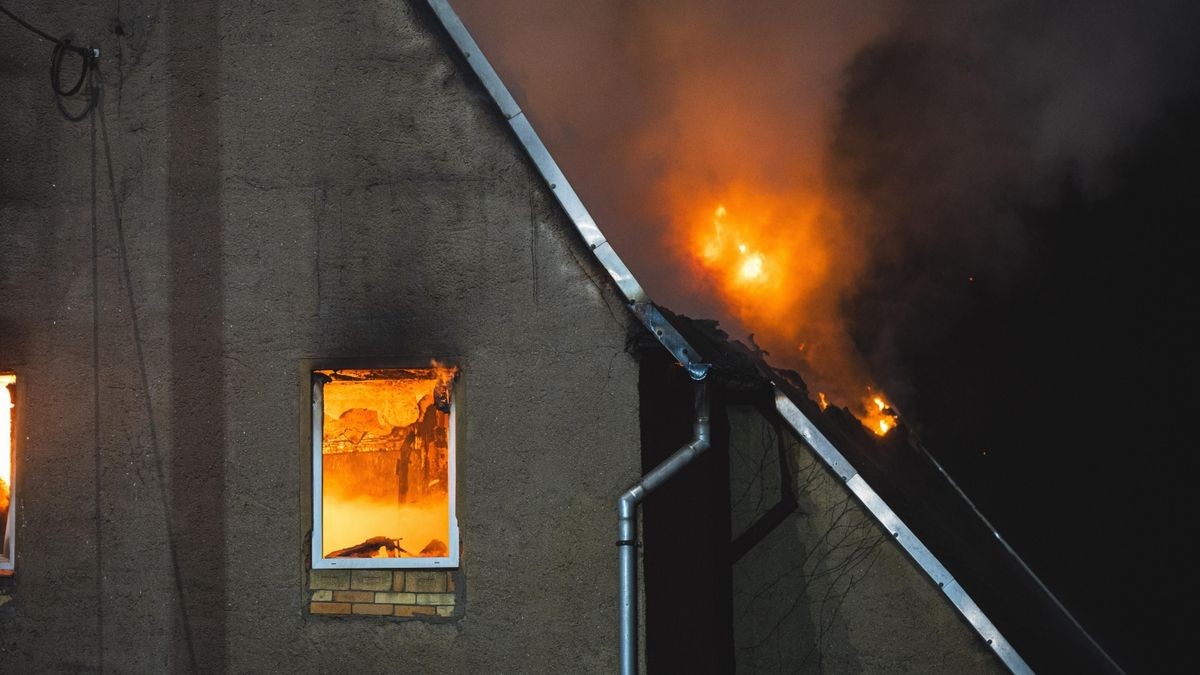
[[821, 400], [878, 415]]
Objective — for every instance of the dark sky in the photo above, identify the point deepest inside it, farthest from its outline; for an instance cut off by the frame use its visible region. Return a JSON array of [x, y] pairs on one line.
[[985, 209]]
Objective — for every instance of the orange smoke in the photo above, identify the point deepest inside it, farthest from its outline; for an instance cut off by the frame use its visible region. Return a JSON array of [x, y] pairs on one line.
[[702, 129]]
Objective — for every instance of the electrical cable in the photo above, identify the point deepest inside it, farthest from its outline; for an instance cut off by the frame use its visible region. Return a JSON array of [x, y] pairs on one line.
[[44, 35], [56, 69], [61, 47], [1015, 556]]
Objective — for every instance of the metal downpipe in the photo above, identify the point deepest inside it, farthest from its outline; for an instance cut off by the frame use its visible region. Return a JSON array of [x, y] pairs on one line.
[[627, 508]]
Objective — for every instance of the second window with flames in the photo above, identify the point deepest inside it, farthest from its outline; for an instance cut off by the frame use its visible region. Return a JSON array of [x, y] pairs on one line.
[[384, 468]]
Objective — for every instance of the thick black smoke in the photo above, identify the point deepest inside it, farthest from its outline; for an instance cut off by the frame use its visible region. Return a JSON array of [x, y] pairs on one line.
[[962, 123]]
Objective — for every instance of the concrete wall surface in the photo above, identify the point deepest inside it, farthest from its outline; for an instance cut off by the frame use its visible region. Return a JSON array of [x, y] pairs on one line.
[[289, 180]]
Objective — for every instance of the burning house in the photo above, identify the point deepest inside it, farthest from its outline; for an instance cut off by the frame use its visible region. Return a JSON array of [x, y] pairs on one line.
[[311, 359]]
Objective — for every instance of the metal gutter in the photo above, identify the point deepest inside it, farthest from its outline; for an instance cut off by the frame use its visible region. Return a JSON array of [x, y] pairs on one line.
[[627, 508], [652, 318]]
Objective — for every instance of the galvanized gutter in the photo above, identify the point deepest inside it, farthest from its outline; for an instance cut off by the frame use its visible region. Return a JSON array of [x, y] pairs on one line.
[[627, 510], [654, 320]]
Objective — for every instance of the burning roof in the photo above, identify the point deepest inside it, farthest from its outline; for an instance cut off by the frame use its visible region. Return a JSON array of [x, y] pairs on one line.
[[885, 453]]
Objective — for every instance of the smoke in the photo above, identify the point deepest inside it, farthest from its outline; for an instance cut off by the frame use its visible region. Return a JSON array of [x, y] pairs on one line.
[[661, 112], [962, 120], [877, 154]]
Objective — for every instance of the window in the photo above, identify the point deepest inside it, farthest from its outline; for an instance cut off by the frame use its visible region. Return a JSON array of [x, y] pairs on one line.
[[383, 468], [8, 387]]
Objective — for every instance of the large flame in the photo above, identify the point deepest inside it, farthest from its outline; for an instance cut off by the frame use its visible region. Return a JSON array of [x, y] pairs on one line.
[[6, 417], [764, 259], [770, 264]]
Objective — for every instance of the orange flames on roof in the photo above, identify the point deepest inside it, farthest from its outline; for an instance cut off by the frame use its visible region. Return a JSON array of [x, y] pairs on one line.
[[879, 416], [763, 258], [771, 261]]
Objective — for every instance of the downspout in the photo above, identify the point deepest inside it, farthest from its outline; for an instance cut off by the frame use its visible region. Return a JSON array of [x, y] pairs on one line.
[[627, 508]]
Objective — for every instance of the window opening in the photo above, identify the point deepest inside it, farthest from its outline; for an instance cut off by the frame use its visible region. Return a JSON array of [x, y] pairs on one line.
[[8, 386], [384, 468]]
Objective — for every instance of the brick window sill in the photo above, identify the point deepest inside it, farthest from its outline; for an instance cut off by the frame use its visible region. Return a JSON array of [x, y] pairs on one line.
[[406, 594]]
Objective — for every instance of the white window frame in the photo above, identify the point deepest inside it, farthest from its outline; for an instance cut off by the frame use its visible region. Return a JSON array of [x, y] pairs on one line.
[[8, 547], [450, 561]]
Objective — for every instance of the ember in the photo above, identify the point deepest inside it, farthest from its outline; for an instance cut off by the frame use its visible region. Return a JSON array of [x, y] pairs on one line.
[[385, 459]]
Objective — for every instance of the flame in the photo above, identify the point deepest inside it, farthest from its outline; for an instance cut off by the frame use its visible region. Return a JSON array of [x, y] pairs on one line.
[[732, 251], [878, 415], [6, 417], [767, 257]]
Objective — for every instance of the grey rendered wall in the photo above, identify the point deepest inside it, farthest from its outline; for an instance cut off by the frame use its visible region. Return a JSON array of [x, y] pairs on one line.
[[298, 179], [828, 591]]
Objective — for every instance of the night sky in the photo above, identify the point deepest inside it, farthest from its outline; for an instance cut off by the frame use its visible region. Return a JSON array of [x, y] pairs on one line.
[[1008, 190]]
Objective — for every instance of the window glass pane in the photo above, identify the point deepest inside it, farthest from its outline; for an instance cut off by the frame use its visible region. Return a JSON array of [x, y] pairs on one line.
[[7, 383], [385, 458]]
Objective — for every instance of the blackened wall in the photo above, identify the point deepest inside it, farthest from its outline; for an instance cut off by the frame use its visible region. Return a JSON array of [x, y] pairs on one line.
[[289, 180], [825, 588], [758, 559], [685, 529]]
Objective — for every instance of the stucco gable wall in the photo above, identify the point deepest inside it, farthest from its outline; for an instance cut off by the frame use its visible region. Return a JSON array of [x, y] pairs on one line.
[[295, 180]]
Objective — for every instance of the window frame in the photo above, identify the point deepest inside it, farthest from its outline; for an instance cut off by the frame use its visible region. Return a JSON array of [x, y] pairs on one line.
[[318, 561], [8, 545]]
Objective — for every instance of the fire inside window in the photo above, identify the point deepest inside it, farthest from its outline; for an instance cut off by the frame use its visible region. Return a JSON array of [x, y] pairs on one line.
[[383, 468], [8, 385]]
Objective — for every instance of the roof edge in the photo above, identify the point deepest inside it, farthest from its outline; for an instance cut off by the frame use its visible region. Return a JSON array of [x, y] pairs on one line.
[[635, 296], [904, 536]]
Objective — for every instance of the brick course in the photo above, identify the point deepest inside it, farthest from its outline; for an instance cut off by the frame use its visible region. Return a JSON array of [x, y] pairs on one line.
[[372, 608], [353, 596], [371, 580], [397, 598], [425, 582], [409, 610], [330, 579], [329, 607]]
